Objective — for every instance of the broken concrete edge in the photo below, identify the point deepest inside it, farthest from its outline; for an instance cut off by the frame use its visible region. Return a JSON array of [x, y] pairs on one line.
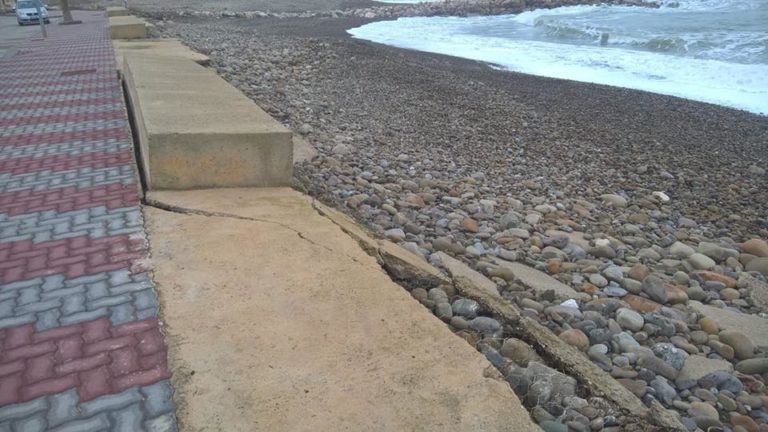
[[402, 265]]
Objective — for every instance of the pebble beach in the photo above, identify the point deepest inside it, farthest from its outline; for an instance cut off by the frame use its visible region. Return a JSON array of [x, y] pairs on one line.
[[649, 213]]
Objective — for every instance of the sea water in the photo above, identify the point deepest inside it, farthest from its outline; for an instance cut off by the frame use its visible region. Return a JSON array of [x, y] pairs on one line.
[[713, 51]]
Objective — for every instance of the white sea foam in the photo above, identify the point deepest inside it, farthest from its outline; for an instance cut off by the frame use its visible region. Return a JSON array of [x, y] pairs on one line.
[[407, 1], [739, 85]]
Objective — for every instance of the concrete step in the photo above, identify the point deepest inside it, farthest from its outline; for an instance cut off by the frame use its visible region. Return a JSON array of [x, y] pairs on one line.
[[115, 11], [156, 47], [195, 130], [127, 27]]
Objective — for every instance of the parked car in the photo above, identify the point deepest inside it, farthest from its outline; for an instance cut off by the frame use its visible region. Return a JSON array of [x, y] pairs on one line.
[[26, 12]]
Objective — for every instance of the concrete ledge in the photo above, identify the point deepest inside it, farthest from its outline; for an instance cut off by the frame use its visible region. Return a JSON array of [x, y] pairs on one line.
[[314, 335], [197, 131], [156, 47], [127, 27], [115, 11], [476, 286]]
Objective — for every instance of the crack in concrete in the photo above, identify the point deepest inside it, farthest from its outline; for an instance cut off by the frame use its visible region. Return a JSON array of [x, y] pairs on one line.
[[149, 202]]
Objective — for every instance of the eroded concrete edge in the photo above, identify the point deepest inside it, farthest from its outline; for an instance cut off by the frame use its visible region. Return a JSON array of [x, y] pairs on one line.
[[561, 355]]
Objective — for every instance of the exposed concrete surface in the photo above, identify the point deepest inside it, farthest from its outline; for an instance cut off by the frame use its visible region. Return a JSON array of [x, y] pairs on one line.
[[158, 47], [755, 327], [566, 358], [460, 271], [127, 27], [196, 130], [540, 281], [114, 11], [276, 320]]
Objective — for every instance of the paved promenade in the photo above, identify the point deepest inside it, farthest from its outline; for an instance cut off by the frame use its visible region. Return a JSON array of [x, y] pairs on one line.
[[80, 346]]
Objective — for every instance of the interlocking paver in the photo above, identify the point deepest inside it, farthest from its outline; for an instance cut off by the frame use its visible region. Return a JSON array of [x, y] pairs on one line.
[[80, 342], [68, 198], [69, 357]]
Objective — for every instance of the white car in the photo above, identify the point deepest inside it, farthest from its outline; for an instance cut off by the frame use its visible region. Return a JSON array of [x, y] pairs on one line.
[[26, 12]]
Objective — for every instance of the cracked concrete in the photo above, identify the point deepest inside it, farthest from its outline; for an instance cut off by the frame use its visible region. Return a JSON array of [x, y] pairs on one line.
[[268, 331], [198, 212]]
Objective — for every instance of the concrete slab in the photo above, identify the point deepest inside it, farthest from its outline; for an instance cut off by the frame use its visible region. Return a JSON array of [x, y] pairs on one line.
[[277, 320], [158, 47], [755, 327], [458, 270], [114, 11], [127, 27], [540, 281], [196, 130]]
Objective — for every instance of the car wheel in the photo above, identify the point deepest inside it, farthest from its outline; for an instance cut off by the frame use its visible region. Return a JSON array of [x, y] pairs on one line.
[[47, 21], [21, 23]]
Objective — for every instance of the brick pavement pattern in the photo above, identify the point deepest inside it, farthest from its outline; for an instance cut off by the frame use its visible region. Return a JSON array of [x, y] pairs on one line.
[[80, 343]]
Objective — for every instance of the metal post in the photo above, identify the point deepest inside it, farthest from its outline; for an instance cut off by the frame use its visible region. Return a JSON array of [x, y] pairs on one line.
[[41, 19]]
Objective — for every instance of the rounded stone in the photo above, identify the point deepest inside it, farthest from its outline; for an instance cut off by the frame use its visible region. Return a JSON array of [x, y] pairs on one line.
[[681, 250], [518, 351], [598, 280], [746, 422], [614, 200], [639, 272], [755, 366], [757, 247], [709, 325], [467, 308], [485, 325], [702, 409], [459, 323], [629, 319], [700, 261], [759, 265], [553, 426], [469, 225], [741, 344], [395, 234], [576, 338], [443, 311]]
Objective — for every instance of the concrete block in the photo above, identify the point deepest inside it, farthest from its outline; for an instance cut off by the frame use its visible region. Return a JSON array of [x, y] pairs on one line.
[[197, 131], [156, 47], [114, 11], [127, 27]]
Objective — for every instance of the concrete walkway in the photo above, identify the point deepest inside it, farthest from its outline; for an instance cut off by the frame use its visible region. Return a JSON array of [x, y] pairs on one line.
[[80, 343], [278, 321]]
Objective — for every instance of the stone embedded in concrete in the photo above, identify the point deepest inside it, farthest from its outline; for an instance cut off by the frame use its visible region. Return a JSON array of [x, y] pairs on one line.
[[195, 130], [116, 11], [127, 27]]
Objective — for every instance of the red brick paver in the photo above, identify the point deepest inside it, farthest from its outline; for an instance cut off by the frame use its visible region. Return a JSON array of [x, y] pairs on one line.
[[94, 357]]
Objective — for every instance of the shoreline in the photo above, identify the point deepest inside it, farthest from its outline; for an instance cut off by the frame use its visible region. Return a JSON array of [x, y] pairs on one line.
[[369, 9]]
